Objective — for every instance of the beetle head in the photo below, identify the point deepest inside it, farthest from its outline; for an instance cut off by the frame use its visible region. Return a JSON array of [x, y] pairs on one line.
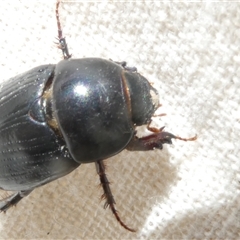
[[143, 98]]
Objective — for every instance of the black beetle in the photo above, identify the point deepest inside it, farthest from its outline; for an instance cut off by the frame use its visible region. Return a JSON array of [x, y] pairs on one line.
[[56, 117]]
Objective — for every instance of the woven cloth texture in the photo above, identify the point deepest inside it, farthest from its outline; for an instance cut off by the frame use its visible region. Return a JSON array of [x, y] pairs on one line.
[[190, 52]]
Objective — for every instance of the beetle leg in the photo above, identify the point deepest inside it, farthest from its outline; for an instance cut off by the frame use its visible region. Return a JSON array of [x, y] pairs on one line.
[[62, 41], [12, 200], [108, 193], [154, 141]]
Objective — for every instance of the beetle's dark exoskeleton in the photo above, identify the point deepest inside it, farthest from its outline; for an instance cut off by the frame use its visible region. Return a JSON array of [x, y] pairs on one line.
[[77, 111]]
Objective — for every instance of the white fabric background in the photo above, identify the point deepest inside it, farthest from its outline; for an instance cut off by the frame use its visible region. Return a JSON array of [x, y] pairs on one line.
[[190, 51]]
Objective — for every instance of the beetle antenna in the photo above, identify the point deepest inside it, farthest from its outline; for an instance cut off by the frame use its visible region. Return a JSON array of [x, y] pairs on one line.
[[108, 193], [62, 41]]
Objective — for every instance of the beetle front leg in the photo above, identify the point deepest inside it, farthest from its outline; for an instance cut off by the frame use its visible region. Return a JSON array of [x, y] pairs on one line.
[[154, 141], [12, 200], [108, 193]]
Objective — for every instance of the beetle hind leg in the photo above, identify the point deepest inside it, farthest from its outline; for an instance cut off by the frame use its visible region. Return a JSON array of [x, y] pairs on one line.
[[108, 193], [12, 200]]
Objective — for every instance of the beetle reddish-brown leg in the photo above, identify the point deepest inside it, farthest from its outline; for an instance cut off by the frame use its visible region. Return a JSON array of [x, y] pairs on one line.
[[153, 129], [154, 141], [108, 193], [62, 41]]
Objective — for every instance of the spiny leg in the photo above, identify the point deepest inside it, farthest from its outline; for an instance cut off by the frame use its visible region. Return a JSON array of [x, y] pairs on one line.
[[12, 200], [108, 193], [154, 140], [62, 41]]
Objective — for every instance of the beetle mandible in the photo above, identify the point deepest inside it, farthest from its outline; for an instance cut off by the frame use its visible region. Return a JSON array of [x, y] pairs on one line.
[[74, 112]]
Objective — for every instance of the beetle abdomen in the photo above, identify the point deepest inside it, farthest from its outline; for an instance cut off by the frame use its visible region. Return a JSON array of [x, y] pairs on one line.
[[30, 152]]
